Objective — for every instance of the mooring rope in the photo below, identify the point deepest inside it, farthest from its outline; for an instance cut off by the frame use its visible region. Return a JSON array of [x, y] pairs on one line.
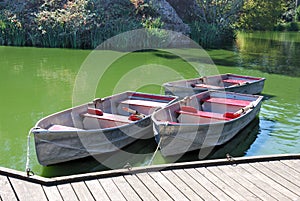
[[28, 171], [152, 158]]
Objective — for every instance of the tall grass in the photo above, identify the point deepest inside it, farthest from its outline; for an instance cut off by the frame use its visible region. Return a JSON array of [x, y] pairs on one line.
[[211, 35]]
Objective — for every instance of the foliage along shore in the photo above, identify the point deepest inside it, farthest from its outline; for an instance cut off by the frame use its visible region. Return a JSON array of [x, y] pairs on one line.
[[87, 23]]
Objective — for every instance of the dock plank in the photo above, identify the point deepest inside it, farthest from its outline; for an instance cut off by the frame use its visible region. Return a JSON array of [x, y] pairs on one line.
[[6, 190], [220, 173], [268, 179], [223, 186], [157, 191], [125, 188], [292, 164], [97, 190], [167, 186], [67, 192], [253, 178], [289, 173], [82, 191], [217, 192], [180, 185], [279, 178], [139, 188], [193, 184], [111, 189], [52, 193], [244, 180], [27, 190], [260, 182]]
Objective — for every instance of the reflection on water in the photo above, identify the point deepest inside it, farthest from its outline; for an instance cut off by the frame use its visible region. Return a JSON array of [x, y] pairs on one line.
[[271, 52], [279, 128]]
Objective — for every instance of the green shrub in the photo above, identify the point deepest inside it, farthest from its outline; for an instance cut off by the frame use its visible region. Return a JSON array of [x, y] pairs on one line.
[[279, 27], [297, 16], [211, 35], [292, 26]]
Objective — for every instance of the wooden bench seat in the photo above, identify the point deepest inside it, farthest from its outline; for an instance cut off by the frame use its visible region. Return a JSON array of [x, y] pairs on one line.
[[110, 117], [57, 127], [207, 86], [211, 115], [228, 101], [232, 81], [145, 103]]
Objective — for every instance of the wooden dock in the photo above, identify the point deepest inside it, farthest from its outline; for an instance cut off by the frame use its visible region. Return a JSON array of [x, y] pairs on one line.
[[247, 178]]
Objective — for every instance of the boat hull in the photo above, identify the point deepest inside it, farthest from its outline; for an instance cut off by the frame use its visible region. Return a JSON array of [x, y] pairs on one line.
[[57, 147], [102, 126], [183, 88], [178, 138]]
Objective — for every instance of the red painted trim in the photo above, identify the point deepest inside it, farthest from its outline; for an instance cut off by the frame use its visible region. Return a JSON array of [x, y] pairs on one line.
[[245, 77]]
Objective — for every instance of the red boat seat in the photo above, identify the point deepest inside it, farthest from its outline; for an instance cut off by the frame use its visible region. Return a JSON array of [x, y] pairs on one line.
[[211, 115], [228, 101]]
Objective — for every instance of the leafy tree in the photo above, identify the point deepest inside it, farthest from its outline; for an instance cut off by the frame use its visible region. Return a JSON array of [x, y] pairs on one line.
[[261, 14], [215, 24]]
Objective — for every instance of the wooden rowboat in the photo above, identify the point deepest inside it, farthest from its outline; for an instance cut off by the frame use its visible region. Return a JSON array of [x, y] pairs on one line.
[[227, 82], [102, 126], [204, 120]]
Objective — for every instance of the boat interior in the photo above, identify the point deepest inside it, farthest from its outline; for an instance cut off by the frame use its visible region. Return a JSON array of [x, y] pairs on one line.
[[207, 107], [114, 111]]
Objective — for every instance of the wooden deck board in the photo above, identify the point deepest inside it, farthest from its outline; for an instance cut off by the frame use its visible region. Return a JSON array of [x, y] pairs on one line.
[[111, 189], [125, 188], [82, 191], [286, 171], [194, 185], [52, 193], [6, 190], [221, 174], [280, 179], [97, 190], [223, 186], [139, 188], [157, 191], [167, 186], [269, 180], [250, 178], [242, 179], [261, 183], [210, 186], [67, 192], [25, 189], [180, 185], [293, 164]]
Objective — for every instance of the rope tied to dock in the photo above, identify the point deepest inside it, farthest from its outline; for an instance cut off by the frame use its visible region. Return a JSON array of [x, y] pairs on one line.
[[28, 171]]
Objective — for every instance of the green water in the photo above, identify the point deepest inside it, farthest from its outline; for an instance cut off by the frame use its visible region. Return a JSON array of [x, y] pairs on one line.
[[37, 82]]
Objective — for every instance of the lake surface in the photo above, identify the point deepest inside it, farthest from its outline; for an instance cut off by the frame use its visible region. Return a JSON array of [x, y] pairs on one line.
[[37, 82]]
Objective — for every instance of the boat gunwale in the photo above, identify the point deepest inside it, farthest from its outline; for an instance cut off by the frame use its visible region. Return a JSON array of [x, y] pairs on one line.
[[255, 80], [38, 129]]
